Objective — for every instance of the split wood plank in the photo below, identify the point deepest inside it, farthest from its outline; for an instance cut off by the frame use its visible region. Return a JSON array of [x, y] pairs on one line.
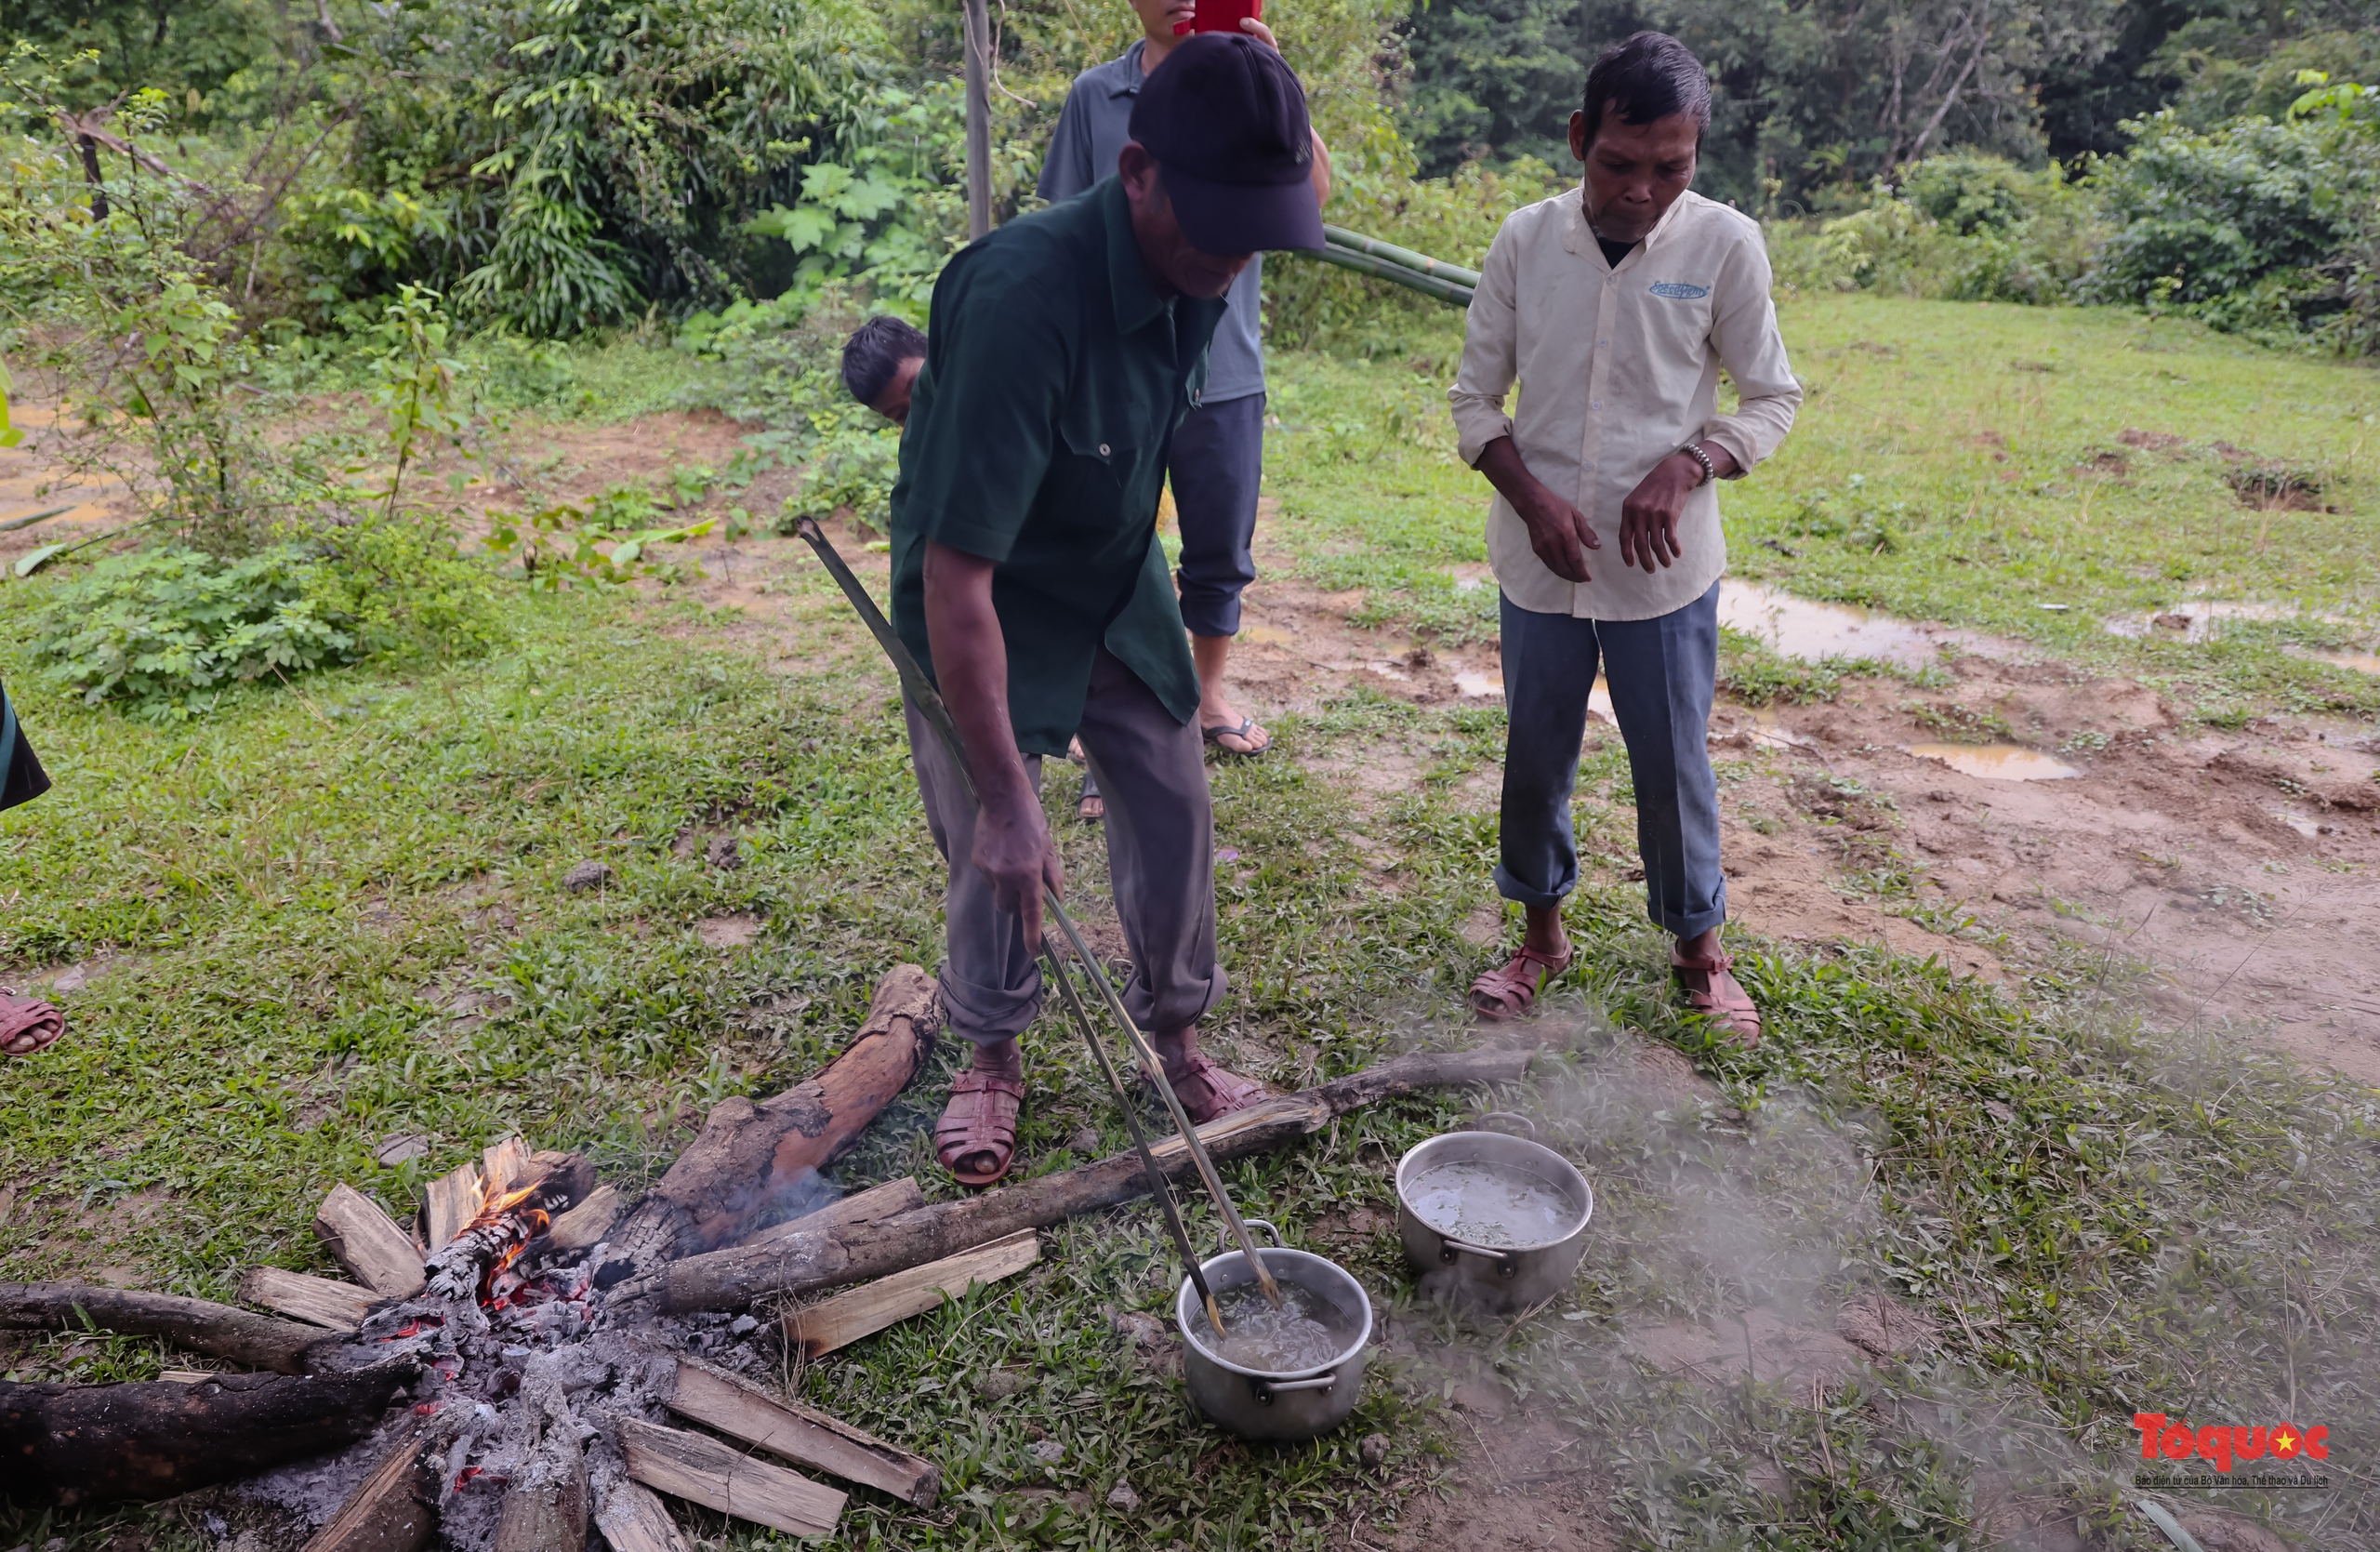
[[633, 1519], [585, 1224], [873, 1205], [504, 1167], [449, 1205], [183, 1376], [869, 1308], [316, 1300], [741, 1410], [395, 1508], [701, 1469], [368, 1243]]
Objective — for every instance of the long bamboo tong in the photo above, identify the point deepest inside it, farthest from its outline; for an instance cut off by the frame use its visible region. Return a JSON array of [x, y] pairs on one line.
[[923, 695]]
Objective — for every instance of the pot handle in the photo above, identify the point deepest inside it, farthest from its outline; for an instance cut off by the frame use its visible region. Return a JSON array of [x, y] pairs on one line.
[[1253, 1224], [1266, 1389], [1502, 1115], [1505, 1260]]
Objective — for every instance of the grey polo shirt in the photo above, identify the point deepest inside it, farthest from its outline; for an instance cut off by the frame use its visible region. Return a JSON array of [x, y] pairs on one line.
[[1092, 130]]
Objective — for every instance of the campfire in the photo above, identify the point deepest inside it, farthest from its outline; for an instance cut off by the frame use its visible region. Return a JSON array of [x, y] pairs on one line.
[[541, 1357]]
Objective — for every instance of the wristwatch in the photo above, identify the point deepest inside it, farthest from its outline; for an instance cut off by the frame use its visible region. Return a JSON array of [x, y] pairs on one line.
[[1710, 470]]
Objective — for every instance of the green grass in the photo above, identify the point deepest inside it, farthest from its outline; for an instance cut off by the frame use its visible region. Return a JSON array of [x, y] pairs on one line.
[[290, 895], [1953, 461]]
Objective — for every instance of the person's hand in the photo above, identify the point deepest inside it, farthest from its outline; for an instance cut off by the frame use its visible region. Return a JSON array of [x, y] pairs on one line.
[[1261, 33], [1013, 851], [1558, 532], [1649, 518]]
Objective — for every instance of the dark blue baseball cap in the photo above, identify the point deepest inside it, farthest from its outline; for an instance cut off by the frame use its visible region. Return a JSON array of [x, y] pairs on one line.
[[1225, 117]]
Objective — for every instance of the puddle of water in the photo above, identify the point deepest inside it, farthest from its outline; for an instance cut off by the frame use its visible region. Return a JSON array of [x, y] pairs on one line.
[[1490, 686], [1470, 578], [2297, 822], [1797, 627], [1265, 635], [1997, 761], [1771, 734], [2201, 619], [1389, 669], [2361, 662]]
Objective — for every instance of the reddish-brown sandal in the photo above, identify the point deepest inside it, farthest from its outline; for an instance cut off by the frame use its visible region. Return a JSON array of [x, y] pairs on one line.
[[1720, 999], [28, 1023], [979, 1121], [1206, 1091], [1508, 990]]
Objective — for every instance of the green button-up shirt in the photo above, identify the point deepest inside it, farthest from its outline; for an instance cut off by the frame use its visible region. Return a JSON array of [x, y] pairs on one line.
[[1038, 432]]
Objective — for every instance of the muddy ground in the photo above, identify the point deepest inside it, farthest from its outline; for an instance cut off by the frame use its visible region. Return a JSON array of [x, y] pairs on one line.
[[2227, 875]]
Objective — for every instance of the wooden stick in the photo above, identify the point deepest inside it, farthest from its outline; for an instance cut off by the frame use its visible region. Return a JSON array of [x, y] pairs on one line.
[[395, 1509], [584, 1225], [873, 1205], [545, 1503], [75, 1444], [742, 1411], [504, 1166], [318, 1300], [809, 1262], [750, 1157], [633, 1519], [368, 1243], [869, 1308], [450, 1202], [218, 1329], [699, 1468]]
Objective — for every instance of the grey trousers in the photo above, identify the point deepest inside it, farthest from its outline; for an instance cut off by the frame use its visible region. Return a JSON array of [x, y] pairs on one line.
[[1663, 672], [1160, 859]]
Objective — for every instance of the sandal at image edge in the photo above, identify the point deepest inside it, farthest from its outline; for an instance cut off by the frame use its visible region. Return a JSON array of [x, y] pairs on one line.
[[28, 1023], [1508, 990]]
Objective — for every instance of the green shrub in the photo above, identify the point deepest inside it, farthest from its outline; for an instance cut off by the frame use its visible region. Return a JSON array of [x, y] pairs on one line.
[[1962, 227], [2252, 226], [164, 631]]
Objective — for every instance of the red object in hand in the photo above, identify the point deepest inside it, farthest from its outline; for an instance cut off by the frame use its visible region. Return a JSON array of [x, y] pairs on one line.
[[1222, 16]]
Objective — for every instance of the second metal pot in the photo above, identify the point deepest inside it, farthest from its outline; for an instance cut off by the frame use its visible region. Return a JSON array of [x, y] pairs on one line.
[[1289, 1406], [1500, 1279]]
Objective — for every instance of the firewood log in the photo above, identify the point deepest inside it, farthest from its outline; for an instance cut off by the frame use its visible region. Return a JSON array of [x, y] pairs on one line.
[[749, 1156], [215, 1329], [545, 1505], [367, 1242], [395, 1509], [101, 1444], [807, 1262], [741, 1410], [873, 1205]]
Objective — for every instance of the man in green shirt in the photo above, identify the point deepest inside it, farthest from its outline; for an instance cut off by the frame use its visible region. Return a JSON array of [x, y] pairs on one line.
[[1063, 350]]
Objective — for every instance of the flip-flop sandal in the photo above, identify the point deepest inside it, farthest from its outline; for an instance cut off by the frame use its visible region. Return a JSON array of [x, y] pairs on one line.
[[1206, 1091], [1246, 733], [1508, 989], [980, 1119], [1725, 1004], [1090, 807], [28, 1023]]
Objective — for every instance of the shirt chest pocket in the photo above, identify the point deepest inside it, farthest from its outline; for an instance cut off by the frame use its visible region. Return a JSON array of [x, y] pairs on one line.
[[1100, 452]]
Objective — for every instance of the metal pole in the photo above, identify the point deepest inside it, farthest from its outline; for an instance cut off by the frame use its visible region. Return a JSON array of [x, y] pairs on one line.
[[979, 120]]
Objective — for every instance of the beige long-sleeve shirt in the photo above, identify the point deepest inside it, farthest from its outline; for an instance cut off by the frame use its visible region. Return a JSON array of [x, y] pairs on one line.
[[1618, 369]]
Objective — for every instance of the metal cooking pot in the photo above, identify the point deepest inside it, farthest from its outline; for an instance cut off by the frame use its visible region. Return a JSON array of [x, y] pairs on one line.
[[1501, 1278], [1250, 1402]]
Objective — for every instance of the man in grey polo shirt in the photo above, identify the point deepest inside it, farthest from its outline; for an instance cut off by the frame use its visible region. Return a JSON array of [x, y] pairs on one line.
[[1217, 454]]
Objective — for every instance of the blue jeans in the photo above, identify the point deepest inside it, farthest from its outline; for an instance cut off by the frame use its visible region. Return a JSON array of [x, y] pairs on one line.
[[1663, 674]]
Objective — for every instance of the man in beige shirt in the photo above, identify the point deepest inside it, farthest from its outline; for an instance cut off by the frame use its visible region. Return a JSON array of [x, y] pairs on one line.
[[1615, 308]]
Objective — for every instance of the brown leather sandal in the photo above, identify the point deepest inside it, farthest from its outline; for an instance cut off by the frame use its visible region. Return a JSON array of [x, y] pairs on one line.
[[1508, 989], [28, 1023], [980, 1121], [1720, 999], [1206, 1091]]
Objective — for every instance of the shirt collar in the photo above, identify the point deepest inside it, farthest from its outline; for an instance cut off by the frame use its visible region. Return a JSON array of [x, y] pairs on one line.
[[1129, 75], [1578, 236], [1137, 302]]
